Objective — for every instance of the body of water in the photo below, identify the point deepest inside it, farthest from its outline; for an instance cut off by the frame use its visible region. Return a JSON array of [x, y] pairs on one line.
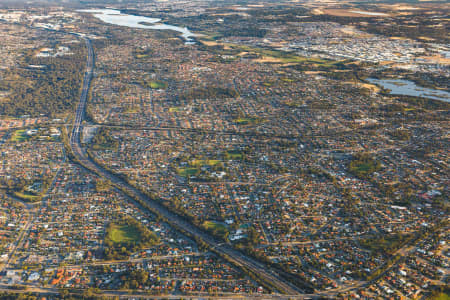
[[113, 16], [368, 13], [409, 88]]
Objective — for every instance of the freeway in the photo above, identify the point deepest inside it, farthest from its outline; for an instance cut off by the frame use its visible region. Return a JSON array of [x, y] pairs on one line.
[[232, 255], [79, 114]]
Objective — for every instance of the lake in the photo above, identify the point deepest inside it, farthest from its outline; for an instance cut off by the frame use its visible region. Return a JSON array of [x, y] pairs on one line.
[[113, 16], [368, 13], [409, 88]]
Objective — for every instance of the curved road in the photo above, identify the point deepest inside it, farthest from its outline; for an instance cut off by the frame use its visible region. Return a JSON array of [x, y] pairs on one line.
[[233, 255]]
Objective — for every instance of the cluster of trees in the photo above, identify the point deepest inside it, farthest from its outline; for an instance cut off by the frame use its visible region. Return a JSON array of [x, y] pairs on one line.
[[284, 269], [232, 25], [401, 134], [102, 185], [425, 103], [17, 296], [14, 183], [248, 243], [322, 104], [251, 30], [400, 27], [139, 53], [429, 80], [279, 14], [440, 292], [386, 244], [134, 279], [210, 92], [363, 165], [89, 294], [49, 91], [103, 140], [320, 173], [17, 186], [393, 108]]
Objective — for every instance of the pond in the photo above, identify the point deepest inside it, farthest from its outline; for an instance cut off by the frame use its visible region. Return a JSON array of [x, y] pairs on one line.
[[409, 88]]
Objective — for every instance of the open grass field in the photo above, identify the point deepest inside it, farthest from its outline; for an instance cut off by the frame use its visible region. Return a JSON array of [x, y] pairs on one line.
[[19, 136], [124, 233], [442, 296], [203, 162], [214, 225], [364, 167], [152, 84], [28, 197], [125, 236], [132, 110], [157, 85], [195, 165], [234, 154], [216, 228], [187, 172], [175, 109], [278, 56], [267, 55], [209, 36]]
